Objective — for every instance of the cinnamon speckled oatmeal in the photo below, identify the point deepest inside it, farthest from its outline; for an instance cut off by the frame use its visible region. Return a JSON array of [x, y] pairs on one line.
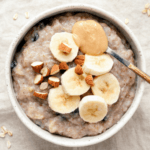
[[36, 48]]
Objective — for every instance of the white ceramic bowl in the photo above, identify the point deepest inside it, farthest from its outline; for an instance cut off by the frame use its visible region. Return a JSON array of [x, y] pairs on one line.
[[85, 141]]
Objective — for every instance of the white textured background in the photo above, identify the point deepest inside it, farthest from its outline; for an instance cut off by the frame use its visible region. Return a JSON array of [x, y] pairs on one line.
[[136, 133]]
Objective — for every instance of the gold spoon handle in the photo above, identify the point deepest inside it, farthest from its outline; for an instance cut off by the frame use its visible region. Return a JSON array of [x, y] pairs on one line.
[[129, 65], [139, 72]]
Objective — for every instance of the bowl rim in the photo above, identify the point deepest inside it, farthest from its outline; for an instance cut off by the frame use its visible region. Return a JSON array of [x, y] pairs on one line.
[[56, 139]]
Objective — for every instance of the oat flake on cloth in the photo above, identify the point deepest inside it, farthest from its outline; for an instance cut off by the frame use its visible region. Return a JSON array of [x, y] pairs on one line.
[[136, 133]]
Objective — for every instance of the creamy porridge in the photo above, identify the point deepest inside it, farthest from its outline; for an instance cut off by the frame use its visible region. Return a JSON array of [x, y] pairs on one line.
[[36, 48]]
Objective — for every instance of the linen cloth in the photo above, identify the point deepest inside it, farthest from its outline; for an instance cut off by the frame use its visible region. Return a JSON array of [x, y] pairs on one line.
[[136, 133]]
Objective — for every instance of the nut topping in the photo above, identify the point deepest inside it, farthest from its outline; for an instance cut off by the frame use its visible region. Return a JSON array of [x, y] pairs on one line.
[[78, 70], [64, 48], [79, 60], [89, 80]]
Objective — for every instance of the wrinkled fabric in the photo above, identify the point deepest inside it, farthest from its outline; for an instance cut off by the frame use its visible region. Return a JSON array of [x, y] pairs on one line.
[[135, 135]]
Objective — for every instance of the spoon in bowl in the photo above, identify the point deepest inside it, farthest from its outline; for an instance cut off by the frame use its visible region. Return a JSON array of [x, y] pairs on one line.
[[88, 34], [128, 64]]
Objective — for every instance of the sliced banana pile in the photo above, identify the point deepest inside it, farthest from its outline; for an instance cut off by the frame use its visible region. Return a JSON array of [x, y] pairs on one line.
[[78, 80]]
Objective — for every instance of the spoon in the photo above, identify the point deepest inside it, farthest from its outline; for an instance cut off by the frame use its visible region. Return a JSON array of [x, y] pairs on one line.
[[129, 65]]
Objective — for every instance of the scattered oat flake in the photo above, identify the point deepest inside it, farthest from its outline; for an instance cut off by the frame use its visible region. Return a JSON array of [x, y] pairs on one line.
[[147, 5], [27, 15], [126, 21], [10, 133], [148, 12], [144, 11], [15, 16], [30, 89], [3, 128], [2, 135], [8, 144]]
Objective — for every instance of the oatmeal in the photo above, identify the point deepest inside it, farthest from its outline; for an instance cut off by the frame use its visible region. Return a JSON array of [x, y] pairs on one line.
[[35, 47]]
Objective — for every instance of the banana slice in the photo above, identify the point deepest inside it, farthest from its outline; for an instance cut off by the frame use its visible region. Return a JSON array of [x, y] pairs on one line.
[[107, 86], [92, 108], [97, 65], [61, 102], [67, 39], [73, 83]]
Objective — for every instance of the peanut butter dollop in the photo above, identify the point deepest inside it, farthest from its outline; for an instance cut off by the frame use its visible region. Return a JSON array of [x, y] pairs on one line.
[[90, 37]]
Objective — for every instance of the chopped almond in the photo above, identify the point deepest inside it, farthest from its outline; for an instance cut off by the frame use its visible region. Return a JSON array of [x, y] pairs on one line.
[[54, 81], [43, 86], [63, 66], [38, 79], [78, 70], [45, 72], [40, 95], [79, 60], [64, 48], [37, 66], [55, 69], [89, 80]]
